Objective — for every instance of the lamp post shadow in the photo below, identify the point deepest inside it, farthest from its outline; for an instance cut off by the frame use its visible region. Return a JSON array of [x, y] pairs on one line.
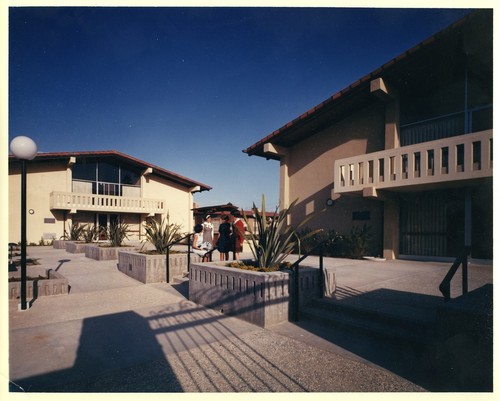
[[114, 354]]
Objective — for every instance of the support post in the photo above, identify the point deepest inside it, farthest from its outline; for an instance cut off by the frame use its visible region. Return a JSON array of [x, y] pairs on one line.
[[23, 235], [189, 252], [167, 266], [465, 272], [467, 241], [321, 283], [296, 294]]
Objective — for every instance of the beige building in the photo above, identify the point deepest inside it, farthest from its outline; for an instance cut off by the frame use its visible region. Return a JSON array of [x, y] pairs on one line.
[[99, 188], [406, 149]]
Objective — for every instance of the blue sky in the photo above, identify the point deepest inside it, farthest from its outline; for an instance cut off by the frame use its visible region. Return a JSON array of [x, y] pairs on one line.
[[188, 89]]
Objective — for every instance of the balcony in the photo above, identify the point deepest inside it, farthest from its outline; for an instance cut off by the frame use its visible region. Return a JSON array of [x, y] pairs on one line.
[[453, 159], [74, 201]]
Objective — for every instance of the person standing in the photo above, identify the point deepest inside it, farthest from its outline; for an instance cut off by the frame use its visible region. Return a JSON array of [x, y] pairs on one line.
[[224, 241], [238, 233], [208, 230]]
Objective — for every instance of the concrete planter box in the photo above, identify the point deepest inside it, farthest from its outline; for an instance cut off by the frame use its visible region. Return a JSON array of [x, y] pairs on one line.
[[264, 299], [104, 252], [76, 247], [152, 268], [60, 243], [55, 284]]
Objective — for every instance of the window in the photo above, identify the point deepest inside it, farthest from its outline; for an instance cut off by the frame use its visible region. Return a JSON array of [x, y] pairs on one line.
[[104, 177], [83, 170]]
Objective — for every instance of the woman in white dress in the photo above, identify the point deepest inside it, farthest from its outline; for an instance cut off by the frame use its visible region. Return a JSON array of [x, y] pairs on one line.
[[208, 230]]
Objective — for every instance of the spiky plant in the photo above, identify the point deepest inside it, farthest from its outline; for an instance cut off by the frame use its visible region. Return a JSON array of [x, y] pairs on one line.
[[162, 235], [274, 239], [90, 233], [116, 233], [75, 232]]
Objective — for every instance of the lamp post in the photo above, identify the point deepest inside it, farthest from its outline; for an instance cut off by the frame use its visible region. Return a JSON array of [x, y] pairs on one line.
[[24, 149]]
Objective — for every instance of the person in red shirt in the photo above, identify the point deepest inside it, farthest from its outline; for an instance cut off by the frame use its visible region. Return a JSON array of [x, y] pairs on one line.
[[238, 233]]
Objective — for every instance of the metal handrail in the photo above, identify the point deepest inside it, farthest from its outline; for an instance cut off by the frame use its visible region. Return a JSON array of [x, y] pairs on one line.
[[167, 269], [295, 268], [188, 236], [445, 286]]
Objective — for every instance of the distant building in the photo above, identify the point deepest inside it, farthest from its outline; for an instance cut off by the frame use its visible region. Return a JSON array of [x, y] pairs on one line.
[[406, 149], [252, 222], [217, 211], [99, 187]]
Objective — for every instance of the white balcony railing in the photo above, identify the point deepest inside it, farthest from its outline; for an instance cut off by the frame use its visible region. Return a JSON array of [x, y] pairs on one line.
[[456, 158], [105, 203]]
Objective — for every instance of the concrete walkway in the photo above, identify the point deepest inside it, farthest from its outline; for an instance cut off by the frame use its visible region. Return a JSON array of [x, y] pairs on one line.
[[114, 334]]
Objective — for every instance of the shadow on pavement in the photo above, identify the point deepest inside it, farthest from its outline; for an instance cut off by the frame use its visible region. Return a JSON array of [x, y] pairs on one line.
[[461, 361], [126, 352], [110, 346]]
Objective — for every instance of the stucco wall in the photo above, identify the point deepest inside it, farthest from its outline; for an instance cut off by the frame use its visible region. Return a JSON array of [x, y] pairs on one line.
[[311, 173], [41, 180], [178, 201], [45, 177]]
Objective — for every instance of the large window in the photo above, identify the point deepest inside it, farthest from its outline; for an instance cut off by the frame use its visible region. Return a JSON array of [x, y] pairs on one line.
[[104, 177], [85, 170], [450, 91]]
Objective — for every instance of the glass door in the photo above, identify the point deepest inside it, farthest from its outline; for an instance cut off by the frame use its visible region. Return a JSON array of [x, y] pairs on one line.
[[104, 221]]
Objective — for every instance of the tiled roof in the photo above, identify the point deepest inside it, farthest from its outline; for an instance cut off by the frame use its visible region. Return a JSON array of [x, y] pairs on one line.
[[159, 171], [351, 90], [215, 208]]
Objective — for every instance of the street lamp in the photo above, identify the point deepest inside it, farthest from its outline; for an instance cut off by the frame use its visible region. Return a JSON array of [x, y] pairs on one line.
[[24, 149]]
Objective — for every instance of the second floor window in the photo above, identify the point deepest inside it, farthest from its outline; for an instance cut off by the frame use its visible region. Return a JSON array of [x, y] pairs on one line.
[[104, 178]]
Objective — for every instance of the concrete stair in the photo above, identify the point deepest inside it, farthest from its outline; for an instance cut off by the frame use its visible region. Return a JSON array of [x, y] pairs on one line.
[[386, 319], [183, 279]]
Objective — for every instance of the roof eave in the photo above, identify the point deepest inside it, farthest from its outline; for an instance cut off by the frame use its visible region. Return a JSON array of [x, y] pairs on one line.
[[257, 149], [171, 176]]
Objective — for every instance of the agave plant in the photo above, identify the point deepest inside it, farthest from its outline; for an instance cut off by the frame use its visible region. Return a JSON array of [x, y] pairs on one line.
[[162, 235], [75, 232], [90, 233], [116, 233], [273, 240]]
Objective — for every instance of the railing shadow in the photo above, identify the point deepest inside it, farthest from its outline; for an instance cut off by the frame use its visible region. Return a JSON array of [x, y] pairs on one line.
[[61, 262], [180, 348], [216, 358]]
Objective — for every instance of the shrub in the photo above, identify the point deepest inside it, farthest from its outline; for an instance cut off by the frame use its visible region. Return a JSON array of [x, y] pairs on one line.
[[359, 239], [116, 233], [254, 266], [308, 239], [355, 245], [335, 244], [162, 235], [90, 233], [75, 232], [274, 240]]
